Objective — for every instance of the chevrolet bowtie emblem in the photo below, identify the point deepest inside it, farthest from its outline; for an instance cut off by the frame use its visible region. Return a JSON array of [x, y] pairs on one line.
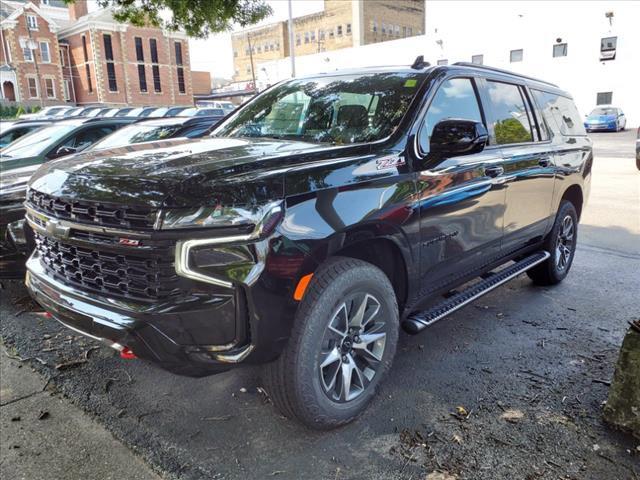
[[55, 229]]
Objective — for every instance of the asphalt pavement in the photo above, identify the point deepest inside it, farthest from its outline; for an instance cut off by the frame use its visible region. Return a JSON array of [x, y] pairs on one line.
[[510, 387]]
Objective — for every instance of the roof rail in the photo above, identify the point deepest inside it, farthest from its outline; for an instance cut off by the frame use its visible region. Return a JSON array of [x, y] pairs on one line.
[[499, 70]]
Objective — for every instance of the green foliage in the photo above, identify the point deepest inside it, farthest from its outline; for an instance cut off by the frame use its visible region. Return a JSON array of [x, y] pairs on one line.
[[511, 131], [198, 18], [14, 111]]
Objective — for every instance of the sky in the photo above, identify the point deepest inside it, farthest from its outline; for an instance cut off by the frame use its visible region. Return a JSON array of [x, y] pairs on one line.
[[215, 54]]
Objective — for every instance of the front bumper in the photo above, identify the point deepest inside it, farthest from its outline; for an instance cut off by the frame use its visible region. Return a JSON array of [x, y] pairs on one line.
[[604, 127], [147, 332]]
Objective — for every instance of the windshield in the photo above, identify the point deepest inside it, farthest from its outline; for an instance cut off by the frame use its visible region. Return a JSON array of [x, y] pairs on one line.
[[604, 111], [333, 109], [136, 134], [37, 142]]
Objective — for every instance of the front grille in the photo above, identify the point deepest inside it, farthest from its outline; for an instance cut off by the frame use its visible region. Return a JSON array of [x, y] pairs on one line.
[[151, 277], [94, 213]]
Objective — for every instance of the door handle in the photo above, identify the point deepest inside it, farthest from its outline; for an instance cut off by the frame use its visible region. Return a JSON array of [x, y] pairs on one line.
[[544, 162], [495, 171]]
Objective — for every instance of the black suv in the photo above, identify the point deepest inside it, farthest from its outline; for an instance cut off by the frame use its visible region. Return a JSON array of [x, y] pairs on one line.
[[314, 222]]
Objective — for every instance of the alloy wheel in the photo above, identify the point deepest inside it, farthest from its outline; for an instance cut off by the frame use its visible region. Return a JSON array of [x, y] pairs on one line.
[[565, 243], [352, 347]]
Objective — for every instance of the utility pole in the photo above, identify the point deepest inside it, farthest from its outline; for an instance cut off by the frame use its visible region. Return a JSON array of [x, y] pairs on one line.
[[292, 50], [253, 73]]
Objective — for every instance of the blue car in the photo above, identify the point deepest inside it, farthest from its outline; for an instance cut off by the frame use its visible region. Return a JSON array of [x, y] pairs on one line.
[[610, 119]]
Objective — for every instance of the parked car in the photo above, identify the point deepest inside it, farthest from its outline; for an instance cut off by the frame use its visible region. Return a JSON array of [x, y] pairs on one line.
[[638, 149], [605, 119], [17, 130], [123, 112], [202, 112], [45, 112], [228, 107], [157, 130], [324, 214], [19, 160], [174, 111]]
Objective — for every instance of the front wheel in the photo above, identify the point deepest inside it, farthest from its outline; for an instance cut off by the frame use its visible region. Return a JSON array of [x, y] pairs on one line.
[[561, 244], [342, 344]]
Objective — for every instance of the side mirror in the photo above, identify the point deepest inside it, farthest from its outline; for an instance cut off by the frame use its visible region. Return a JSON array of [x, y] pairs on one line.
[[455, 136], [62, 151]]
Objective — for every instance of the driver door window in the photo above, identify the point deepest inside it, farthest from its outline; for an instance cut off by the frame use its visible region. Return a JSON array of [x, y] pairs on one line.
[[85, 138], [456, 98]]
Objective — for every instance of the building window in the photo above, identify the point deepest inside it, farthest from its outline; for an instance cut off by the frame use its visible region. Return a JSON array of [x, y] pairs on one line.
[[63, 57], [33, 87], [139, 49], [444, 61], [155, 69], [477, 59], [32, 22], [50, 88], [44, 52], [259, 49], [348, 29], [604, 98], [404, 31], [153, 47], [87, 71], [157, 86], [298, 39], [516, 55], [235, 54], [409, 32], [374, 26], [180, 70], [142, 78], [331, 32], [383, 28], [396, 29], [339, 30], [84, 48], [321, 34], [27, 52], [560, 50], [111, 67], [313, 35], [306, 37], [608, 48], [67, 90]]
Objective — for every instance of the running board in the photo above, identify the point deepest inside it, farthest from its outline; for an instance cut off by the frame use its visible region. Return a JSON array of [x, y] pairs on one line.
[[418, 321]]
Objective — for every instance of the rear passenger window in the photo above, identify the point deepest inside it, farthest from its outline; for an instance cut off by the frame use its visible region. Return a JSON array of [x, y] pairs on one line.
[[456, 98], [510, 118], [560, 111]]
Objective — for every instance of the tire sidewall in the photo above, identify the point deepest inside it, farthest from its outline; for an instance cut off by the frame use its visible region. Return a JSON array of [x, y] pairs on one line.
[[566, 208], [364, 278]]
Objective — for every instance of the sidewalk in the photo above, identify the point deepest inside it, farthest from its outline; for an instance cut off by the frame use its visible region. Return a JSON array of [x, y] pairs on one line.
[[44, 436]]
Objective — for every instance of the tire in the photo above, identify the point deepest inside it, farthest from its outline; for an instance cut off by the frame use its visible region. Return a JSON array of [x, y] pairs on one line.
[[561, 244], [300, 380]]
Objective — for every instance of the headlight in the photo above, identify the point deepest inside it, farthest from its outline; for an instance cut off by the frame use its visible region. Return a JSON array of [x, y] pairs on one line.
[[263, 219]]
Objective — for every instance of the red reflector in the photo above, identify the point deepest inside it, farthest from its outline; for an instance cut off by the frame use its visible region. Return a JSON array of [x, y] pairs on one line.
[[127, 354], [44, 314]]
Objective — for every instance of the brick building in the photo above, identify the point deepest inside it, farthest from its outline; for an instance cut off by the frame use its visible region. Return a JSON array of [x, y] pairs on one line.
[[31, 70], [52, 54], [342, 24]]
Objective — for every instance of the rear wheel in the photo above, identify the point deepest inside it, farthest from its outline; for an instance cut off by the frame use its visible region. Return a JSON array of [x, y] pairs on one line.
[[561, 244], [341, 346]]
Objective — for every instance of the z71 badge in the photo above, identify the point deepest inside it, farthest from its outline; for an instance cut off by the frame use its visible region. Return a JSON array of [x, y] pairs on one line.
[[390, 161]]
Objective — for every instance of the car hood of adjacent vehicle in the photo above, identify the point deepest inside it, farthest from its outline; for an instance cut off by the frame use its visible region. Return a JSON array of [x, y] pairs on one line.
[[177, 173]]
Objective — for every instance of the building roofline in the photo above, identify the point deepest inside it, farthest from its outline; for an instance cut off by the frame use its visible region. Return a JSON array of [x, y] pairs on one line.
[[11, 20]]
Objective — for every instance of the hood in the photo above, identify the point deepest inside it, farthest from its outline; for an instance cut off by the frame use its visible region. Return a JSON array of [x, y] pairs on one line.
[[601, 118], [181, 173]]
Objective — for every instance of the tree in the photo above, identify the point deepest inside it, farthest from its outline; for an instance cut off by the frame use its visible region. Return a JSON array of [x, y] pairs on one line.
[[198, 18]]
